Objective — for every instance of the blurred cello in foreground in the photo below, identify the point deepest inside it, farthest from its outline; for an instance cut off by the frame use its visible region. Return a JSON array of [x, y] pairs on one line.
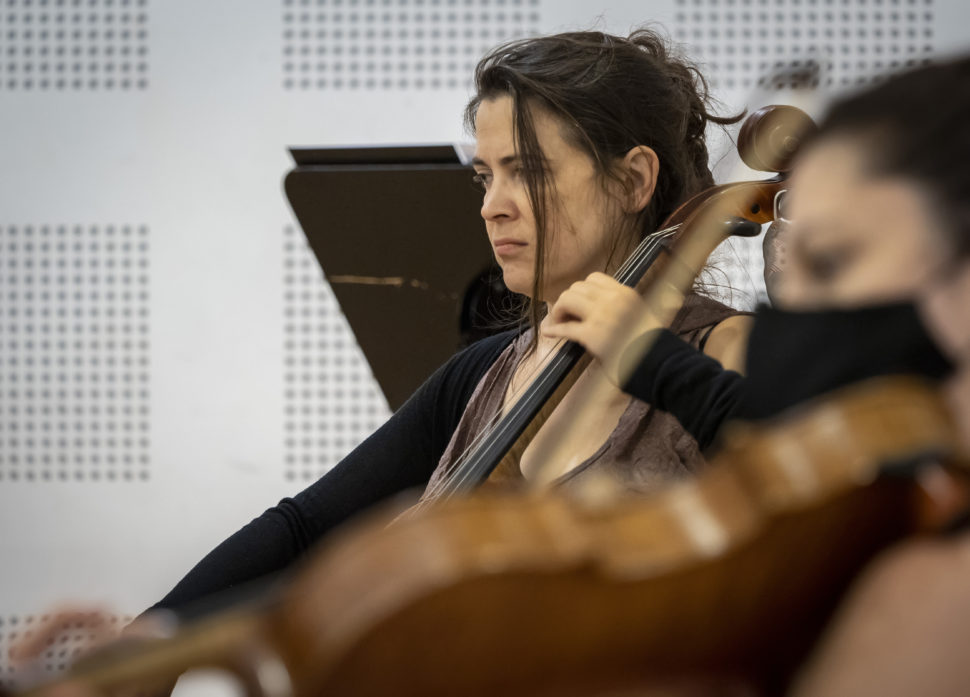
[[730, 576], [721, 581], [726, 579]]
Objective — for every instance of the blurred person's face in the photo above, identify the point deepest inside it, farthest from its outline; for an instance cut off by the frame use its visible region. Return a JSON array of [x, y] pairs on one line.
[[854, 238]]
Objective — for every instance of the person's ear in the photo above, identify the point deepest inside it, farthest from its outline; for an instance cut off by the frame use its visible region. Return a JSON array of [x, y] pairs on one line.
[[640, 167]]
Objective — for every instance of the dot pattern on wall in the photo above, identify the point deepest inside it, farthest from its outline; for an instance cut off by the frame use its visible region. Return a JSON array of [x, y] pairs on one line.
[[74, 353], [73, 44], [395, 44], [68, 637], [331, 400], [843, 43]]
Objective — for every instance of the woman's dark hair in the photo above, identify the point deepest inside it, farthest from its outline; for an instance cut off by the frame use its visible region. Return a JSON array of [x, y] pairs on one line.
[[917, 125], [610, 94]]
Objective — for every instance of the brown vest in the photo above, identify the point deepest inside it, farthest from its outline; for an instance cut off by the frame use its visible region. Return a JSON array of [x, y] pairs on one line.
[[647, 448]]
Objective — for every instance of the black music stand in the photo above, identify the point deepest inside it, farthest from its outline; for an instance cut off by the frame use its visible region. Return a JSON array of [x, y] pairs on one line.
[[398, 234]]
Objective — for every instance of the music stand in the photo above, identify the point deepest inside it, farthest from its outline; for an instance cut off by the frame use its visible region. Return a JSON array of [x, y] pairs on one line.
[[398, 234]]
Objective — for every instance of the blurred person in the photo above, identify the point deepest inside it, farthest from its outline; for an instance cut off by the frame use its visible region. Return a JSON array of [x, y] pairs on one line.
[[875, 281]]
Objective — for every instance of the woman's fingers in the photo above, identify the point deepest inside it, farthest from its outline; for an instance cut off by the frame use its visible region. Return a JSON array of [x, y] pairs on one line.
[[575, 303], [599, 296], [78, 634], [603, 280], [597, 312], [608, 318], [97, 626]]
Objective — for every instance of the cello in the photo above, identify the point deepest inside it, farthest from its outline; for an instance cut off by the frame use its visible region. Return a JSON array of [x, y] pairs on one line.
[[719, 582]]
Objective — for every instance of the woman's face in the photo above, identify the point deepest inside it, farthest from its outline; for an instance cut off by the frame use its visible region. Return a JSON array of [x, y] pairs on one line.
[[854, 238], [583, 220]]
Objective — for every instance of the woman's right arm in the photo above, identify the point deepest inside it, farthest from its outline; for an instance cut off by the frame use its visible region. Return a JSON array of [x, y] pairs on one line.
[[400, 455]]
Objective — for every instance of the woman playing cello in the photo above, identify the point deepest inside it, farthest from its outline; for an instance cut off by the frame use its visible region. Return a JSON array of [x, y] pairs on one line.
[[585, 143]]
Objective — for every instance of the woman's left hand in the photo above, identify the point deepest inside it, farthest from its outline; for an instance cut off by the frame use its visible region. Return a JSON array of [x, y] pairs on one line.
[[603, 315], [612, 321]]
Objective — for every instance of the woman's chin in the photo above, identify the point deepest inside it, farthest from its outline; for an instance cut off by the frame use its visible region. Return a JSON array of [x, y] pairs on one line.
[[518, 285]]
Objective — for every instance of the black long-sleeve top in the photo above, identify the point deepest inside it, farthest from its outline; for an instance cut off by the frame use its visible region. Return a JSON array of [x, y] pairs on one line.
[[673, 376], [399, 455], [402, 454]]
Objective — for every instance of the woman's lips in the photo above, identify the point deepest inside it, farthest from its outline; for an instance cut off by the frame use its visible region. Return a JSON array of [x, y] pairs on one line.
[[506, 246]]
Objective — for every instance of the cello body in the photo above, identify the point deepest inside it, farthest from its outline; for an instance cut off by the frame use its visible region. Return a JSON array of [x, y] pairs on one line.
[[719, 585], [722, 581]]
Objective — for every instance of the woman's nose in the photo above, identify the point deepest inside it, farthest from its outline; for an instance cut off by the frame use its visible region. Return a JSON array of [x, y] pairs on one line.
[[498, 202]]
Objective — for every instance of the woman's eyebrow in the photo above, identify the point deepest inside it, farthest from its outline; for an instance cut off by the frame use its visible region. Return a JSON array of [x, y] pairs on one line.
[[505, 161]]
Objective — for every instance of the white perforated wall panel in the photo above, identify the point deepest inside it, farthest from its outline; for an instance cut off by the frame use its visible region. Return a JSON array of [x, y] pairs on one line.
[[172, 360]]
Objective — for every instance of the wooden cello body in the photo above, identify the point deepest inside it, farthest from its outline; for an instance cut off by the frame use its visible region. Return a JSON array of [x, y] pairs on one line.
[[718, 585], [724, 580]]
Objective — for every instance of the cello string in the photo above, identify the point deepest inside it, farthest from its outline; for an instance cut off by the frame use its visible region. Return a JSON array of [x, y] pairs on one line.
[[498, 424]]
